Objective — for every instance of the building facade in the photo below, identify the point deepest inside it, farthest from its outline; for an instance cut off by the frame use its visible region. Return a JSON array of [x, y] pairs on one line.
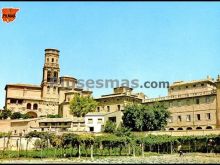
[[194, 105]]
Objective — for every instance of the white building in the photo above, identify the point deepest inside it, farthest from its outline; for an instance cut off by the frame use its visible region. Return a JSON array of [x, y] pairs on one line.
[[95, 121]]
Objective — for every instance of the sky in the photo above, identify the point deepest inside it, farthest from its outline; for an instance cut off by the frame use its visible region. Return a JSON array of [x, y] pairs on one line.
[[149, 41]]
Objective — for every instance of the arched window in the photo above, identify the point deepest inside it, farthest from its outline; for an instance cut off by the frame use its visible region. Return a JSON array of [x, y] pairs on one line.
[[52, 59], [55, 75], [209, 127], [119, 107], [48, 76], [198, 127], [35, 107], [189, 128], [180, 128], [29, 106], [171, 129]]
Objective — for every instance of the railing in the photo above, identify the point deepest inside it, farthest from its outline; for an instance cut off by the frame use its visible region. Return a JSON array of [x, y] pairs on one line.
[[181, 96]]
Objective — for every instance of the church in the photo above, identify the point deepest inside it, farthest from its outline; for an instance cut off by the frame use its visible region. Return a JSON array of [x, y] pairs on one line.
[[49, 97]]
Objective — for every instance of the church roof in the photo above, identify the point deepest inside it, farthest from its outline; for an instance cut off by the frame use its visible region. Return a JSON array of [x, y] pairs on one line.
[[23, 85]]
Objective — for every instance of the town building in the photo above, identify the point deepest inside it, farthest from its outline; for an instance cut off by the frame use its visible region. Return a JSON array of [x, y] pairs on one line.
[[194, 105]]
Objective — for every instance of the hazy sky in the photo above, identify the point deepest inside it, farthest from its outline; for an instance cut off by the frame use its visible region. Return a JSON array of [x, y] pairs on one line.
[[149, 41]]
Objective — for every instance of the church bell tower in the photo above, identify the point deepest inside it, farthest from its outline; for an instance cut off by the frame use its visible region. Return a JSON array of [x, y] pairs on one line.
[[51, 72]]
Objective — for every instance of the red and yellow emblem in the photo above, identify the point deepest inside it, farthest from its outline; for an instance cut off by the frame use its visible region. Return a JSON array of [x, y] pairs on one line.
[[9, 14]]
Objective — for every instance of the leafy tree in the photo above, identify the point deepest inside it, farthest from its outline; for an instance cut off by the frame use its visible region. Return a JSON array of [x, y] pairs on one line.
[[110, 127], [5, 114], [18, 115], [122, 131], [81, 105], [145, 118]]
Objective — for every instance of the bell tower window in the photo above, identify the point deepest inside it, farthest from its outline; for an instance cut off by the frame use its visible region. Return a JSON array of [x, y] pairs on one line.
[[48, 76]]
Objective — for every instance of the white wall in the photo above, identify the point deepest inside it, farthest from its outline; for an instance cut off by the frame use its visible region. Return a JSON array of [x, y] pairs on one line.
[[97, 126]]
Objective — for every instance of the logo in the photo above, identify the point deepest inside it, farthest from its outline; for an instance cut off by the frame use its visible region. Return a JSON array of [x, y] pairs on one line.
[[9, 14]]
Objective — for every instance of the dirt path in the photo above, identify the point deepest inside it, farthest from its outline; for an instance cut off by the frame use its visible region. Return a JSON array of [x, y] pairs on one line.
[[187, 158]]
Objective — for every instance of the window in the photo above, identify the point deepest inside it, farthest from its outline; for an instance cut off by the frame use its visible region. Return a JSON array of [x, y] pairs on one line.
[[47, 59], [188, 118], [194, 85], [119, 107], [55, 75], [98, 109], [20, 101], [90, 121], [29, 106], [187, 102], [208, 116], [13, 101], [48, 76], [99, 121], [108, 108], [197, 101], [179, 118], [198, 117], [52, 59], [202, 85], [186, 86], [207, 99], [35, 107]]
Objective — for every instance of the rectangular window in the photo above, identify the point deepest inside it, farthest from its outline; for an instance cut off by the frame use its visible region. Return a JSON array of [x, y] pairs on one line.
[[98, 109], [207, 99], [90, 121], [119, 107], [179, 118], [99, 121], [197, 101], [108, 108], [187, 102], [208, 116], [198, 117], [188, 118]]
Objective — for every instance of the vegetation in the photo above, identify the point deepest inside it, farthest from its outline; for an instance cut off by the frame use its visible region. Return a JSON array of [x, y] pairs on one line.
[[110, 127], [16, 115], [5, 114], [48, 145], [81, 105], [54, 116], [140, 117]]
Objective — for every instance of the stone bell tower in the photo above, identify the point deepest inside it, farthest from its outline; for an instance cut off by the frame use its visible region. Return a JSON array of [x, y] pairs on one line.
[[51, 72]]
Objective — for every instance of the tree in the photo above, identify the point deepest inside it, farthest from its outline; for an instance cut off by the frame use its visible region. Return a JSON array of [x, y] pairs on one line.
[[110, 127], [122, 131], [140, 117], [81, 105], [16, 115], [5, 114]]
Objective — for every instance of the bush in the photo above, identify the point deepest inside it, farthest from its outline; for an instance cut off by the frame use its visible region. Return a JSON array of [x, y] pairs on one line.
[[110, 127]]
